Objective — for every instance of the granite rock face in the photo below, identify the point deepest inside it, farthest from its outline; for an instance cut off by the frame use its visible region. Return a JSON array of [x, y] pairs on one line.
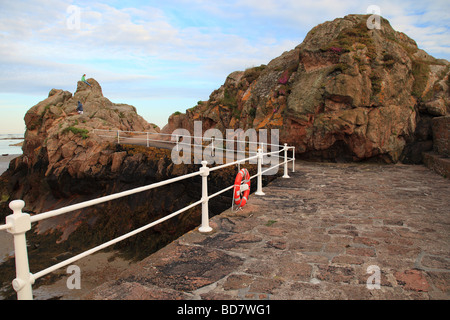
[[66, 139], [346, 92]]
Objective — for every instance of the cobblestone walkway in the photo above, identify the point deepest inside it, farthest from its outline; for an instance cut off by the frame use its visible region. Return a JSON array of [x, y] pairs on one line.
[[314, 236]]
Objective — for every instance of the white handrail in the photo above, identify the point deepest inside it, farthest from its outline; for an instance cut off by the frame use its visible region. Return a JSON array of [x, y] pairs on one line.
[[19, 223], [5, 226]]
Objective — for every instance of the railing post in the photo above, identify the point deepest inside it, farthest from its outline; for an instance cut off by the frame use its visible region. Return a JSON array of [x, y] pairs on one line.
[[204, 172], [285, 162], [118, 137], [147, 141], [259, 191], [20, 224], [293, 159]]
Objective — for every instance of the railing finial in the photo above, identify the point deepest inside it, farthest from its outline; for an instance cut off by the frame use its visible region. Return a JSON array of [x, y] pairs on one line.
[[16, 206], [20, 223]]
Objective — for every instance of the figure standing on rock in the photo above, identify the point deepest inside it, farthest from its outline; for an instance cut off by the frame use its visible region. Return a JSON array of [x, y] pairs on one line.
[[83, 78], [80, 108]]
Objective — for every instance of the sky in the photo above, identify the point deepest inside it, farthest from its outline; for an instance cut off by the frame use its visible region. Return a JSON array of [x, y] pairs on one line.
[[164, 56]]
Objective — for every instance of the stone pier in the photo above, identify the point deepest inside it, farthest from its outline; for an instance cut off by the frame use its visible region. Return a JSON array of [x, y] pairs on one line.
[[331, 231]]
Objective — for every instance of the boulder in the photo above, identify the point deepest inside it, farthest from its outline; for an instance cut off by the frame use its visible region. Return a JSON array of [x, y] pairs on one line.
[[346, 92]]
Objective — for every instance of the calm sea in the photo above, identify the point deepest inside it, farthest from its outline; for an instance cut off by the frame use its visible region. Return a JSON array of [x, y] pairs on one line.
[[6, 140]]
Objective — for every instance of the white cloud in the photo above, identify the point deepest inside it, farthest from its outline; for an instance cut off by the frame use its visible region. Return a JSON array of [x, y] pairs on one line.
[[129, 39], [427, 22], [178, 48]]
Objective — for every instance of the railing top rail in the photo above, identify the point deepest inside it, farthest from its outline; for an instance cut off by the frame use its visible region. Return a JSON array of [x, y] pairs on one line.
[[5, 226], [232, 163]]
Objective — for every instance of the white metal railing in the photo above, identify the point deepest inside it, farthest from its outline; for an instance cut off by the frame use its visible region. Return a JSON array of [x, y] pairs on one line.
[[19, 222]]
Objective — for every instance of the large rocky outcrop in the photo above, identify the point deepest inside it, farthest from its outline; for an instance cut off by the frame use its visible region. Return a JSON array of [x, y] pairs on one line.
[[68, 138], [346, 92]]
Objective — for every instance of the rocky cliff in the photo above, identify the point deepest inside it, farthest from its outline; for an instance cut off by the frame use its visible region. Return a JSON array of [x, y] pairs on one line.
[[345, 93]]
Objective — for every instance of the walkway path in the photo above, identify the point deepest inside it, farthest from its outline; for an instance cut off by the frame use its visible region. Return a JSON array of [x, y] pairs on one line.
[[313, 236]]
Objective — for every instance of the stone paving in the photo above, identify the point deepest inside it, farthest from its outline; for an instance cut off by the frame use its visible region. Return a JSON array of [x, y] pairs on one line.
[[325, 233]]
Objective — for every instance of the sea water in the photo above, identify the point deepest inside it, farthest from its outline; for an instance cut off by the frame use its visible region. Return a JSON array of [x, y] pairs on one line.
[[6, 142]]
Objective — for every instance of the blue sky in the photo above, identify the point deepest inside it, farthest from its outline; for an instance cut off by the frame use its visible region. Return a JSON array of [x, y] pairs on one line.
[[164, 56]]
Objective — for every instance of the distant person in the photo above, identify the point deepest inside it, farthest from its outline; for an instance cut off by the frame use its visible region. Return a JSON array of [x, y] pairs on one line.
[[80, 108], [83, 78]]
